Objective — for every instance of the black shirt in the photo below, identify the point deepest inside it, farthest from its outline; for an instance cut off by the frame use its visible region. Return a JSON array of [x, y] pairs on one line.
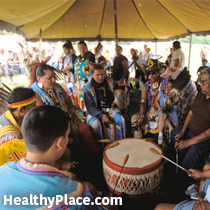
[[89, 56], [118, 67]]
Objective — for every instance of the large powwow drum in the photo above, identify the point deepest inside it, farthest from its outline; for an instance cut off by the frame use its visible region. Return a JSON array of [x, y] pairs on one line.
[[141, 174]]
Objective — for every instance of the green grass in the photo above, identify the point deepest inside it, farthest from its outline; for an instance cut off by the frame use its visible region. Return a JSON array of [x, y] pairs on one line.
[[20, 80]]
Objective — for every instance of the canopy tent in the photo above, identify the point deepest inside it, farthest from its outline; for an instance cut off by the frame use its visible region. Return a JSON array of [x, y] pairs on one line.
[[93, 19]]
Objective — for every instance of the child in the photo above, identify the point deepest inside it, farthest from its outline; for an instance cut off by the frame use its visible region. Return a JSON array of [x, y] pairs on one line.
[[165, 102]]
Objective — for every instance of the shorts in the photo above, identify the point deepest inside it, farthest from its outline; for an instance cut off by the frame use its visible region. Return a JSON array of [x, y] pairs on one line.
[[172, 115]]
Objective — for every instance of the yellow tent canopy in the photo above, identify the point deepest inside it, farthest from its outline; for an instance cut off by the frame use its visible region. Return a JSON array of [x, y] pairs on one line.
[[91, 19]]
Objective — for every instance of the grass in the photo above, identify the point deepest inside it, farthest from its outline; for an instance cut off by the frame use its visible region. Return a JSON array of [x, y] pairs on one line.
[[20, 80]]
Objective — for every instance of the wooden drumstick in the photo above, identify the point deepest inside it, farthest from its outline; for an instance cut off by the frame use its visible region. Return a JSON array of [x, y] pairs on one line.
[[124, 162], [104, 140], [157, 153], [113, 145], [149, 139]]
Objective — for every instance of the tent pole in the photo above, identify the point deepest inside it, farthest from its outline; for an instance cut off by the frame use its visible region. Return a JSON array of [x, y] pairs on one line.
[[156, 48], [189, 52], [115, 22]]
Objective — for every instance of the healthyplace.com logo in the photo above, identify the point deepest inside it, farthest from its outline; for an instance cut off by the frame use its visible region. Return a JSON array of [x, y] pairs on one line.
[[34, 200]]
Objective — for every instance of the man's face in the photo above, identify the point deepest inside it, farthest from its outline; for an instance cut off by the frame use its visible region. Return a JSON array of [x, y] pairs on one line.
[[173, 48], [98, 75], [66, 51], [82, 49], [145, 47], [205, 84], [118, 51], [154, 76], [204, 63], [24, 110], [48, 80]]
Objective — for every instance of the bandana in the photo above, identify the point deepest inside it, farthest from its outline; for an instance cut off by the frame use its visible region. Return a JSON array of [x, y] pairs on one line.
[[23, 103]]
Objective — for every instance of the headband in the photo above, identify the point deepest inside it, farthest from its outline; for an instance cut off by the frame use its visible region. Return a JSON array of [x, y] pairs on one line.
[[23, 103]]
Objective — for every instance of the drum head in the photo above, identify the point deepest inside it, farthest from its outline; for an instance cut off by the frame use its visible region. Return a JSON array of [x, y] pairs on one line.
[[139, 154]]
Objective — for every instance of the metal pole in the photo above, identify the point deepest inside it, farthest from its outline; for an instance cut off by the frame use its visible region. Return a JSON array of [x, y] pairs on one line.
[[189, 52], [156, 48], [115, 22]]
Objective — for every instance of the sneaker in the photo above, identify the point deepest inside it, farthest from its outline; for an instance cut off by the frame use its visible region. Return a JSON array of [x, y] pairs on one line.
[[160, 140], [192, 190]]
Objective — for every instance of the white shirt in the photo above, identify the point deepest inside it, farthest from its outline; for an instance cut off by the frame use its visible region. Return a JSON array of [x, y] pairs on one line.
[[178, 54]]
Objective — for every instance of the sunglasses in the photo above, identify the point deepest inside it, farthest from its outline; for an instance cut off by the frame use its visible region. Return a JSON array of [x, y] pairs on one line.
[[153, 73]]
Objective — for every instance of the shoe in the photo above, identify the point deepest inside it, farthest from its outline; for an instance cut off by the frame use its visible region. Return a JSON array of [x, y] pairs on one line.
[[192, 190], [160, 140]]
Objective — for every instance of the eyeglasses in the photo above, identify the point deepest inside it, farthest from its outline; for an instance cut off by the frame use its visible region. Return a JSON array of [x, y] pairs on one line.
[[204, 82]]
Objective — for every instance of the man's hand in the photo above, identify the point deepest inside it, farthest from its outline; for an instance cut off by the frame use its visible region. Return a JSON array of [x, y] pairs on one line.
[[105, 118], [182, 144], [160, 109], [179, 135], [196, 174], [200, 204]]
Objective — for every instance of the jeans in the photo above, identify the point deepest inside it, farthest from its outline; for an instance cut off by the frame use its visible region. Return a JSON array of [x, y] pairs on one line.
[[193, 156]]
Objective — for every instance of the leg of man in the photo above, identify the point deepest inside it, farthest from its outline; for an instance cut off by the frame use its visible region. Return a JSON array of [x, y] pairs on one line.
[[96, 125], [194, 157]]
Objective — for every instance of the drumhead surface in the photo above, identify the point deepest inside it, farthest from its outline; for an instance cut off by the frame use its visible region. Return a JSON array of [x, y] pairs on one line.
[[138, 151]]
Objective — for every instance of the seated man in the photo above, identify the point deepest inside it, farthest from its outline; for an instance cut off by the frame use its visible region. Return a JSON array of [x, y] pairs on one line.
[[192, 139], [51, 93], [45, 131], [204, 185], [148, 106], [204, 65], [98, 97], [19, 102]]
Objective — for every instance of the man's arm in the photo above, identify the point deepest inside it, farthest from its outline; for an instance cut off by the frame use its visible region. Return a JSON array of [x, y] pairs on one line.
[[200, 138], [90, 104], [68, 101], [125, 68], [186, 124], [143, 101], [176, 64], [187, 121]]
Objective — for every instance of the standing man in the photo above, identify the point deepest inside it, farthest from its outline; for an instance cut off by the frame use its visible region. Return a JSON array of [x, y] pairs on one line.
[[4, 63], [98, 98], [145, 51], [68, 66], [120, 68], [82, 69], [178, 57]]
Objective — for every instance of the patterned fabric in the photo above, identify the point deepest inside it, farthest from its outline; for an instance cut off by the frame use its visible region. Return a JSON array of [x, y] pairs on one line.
[[9, 129], [12, 151], [51, 97], [117, 129], [187, 97], [153, 89], [24, 178]]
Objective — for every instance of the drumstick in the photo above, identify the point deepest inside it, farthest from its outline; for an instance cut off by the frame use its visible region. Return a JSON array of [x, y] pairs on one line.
[[149, 139], [124, 162], [157, 153], [104, 140], [113, 145]]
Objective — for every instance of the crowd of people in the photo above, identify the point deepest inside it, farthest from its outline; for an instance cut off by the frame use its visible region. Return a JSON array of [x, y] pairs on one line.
[[41, 129]]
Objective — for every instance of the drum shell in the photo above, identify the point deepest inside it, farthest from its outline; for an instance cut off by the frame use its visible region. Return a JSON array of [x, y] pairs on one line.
[[133, 177]]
